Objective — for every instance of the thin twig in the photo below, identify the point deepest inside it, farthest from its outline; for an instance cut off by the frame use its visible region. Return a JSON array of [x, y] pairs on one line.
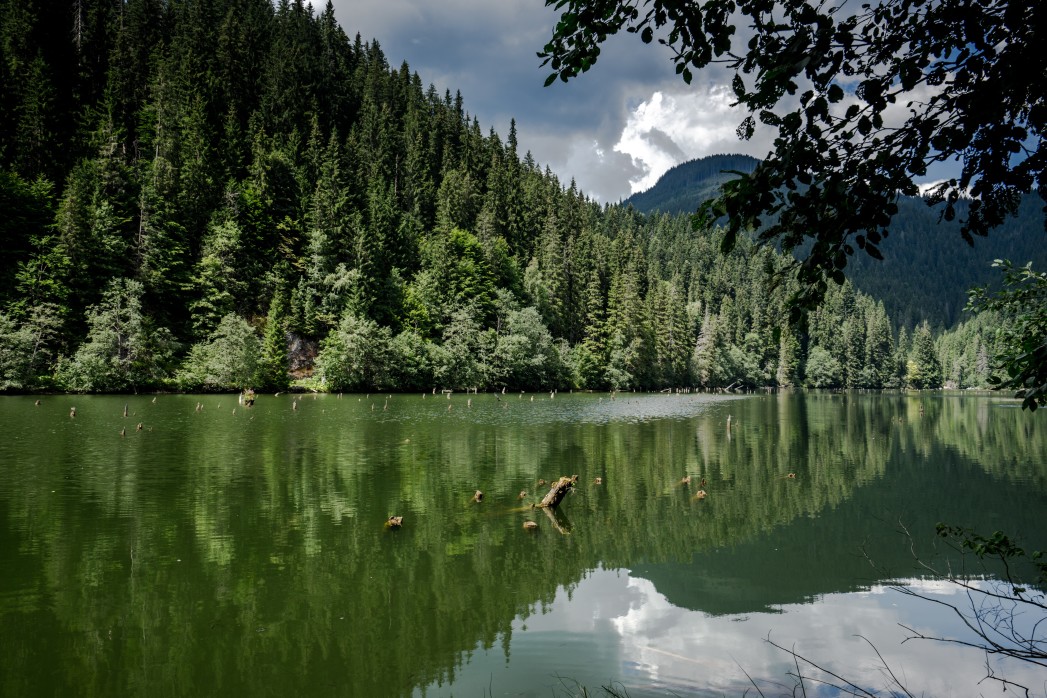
[[886, 666], [856, 690]]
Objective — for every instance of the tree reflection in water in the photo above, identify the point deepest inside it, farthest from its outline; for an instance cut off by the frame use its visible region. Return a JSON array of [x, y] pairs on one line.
[[246, 553]]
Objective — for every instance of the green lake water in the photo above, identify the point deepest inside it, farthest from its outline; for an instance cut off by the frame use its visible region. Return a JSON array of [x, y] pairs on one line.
[[230, 551]]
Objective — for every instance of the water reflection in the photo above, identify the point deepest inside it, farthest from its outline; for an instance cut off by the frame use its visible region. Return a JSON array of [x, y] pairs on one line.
[[243, 552], [615, 629]]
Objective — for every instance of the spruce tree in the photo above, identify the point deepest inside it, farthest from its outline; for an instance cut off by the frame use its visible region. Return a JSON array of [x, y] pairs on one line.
[[273, 362], [923, 370]]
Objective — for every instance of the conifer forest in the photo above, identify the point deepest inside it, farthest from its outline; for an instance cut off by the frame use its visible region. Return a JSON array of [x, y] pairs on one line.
[[227, 194]]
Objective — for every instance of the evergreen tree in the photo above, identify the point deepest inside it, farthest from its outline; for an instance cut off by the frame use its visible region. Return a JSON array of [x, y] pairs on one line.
[[923, 370], [329, 223], [854, 353], [879, 349], [217, 279], [710, 361], [788, 369], [273, 362], [27, 215]]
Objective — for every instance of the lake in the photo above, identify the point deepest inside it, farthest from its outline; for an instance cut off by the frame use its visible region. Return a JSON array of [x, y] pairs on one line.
[[226, 550]]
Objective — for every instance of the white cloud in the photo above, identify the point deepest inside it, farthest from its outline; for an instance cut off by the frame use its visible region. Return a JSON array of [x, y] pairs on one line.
[[668, 129]]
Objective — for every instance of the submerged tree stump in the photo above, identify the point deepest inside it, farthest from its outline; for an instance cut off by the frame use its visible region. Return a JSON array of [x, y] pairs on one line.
[[558, 491]]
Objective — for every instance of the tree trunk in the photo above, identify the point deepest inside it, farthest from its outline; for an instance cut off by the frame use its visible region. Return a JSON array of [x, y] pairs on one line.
[[556, 493]]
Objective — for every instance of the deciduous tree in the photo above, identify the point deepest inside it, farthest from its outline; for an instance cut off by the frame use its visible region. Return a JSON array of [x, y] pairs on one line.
[[124, 350], [1022, 332]]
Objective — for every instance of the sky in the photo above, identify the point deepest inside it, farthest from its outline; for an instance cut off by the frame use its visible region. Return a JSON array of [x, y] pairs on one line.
[[613, 130]]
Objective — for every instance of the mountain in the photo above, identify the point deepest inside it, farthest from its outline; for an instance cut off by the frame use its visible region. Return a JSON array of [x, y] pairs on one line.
[[927, 267], [684, 187]]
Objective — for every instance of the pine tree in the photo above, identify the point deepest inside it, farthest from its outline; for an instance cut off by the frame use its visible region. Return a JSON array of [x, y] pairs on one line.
[[34, 130], [217, 280], [854, 352], [124, 349], [879, 349], [328, 250]]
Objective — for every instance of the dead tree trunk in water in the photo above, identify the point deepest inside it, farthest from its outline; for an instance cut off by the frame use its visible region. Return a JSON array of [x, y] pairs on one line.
[[557, 492]]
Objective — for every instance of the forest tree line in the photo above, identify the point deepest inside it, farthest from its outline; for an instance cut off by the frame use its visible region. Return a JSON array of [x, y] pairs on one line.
[[218, 194], [926, 270]]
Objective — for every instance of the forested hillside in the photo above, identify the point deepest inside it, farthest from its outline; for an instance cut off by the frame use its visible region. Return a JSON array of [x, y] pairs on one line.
[[683, 188], [927, 268], [226, 193]]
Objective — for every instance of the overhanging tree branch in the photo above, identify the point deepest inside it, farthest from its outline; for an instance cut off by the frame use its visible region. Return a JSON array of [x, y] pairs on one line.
[[840, 157]]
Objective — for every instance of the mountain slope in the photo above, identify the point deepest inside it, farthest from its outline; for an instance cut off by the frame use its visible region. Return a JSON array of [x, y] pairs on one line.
[[684, 187], [927, 268]]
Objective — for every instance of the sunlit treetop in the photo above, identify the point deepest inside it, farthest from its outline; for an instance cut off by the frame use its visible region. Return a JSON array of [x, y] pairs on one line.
[[863, 98]]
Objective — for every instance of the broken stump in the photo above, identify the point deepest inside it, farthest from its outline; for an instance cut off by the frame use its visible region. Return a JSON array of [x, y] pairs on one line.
[[557, 492]]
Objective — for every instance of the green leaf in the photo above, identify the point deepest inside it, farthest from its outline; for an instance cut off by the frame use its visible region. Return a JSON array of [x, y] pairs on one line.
[[746, 128]]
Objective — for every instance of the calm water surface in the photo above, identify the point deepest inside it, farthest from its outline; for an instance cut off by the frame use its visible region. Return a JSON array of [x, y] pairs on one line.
[[227, 551]]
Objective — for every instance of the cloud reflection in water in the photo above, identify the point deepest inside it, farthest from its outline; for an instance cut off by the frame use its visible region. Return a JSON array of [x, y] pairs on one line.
[[616, 629]]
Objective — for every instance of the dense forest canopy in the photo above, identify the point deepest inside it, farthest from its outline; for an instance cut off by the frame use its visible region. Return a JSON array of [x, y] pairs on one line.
[[924, 275], [226, 193]]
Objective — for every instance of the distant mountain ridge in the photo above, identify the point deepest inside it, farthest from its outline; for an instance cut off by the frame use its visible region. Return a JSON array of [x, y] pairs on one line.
[[927, 268], [684, 187]]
